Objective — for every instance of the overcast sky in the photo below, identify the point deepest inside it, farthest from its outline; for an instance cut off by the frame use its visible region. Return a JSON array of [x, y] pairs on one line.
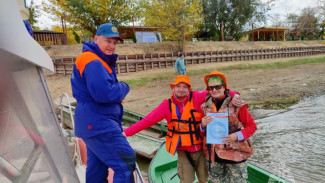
[[281, 7], [284, 7]]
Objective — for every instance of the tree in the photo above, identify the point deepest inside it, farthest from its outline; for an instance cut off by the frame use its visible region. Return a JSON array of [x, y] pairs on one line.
[[76, 36], [277, 21], [33, 14], [181, 18], [235, 15], [321, 7], [292, 20], [73, 37], [89, 14], [308, 23]]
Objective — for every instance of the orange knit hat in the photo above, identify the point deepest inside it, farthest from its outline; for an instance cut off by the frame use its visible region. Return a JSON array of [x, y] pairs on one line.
[[181, 79], [218, 74]]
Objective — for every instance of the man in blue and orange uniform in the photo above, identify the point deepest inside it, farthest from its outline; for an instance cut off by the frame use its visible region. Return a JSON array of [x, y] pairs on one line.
[[99, 109]]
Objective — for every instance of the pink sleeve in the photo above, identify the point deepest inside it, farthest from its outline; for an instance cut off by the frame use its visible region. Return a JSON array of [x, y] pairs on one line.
[[248, 121], [198, 99], [232, 93], [152, 118]]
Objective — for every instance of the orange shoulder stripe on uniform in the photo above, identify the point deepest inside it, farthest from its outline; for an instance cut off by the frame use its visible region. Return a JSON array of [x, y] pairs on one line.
[[86, 57]]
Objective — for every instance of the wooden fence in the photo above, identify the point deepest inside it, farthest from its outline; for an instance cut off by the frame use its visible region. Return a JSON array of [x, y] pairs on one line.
[[142, 62], [50, 38]]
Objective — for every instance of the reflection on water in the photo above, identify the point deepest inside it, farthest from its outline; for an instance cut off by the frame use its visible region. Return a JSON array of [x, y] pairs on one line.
[[143, 166], [291, 143]]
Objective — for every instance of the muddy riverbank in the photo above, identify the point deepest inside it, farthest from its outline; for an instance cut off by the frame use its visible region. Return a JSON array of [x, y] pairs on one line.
[[260, 87]]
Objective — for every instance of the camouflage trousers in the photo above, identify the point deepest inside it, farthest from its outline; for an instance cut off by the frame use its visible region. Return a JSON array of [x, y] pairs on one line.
[[227, 173]]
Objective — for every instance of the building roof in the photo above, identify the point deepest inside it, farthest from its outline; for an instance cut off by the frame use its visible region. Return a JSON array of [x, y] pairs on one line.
[[271, 29], [126, 31]]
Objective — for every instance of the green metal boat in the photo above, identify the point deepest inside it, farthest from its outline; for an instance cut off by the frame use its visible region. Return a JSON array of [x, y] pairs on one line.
[[163, 169], [145, 144]]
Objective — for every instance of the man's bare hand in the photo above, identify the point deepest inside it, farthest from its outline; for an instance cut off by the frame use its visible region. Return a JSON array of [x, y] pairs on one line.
[[237, 101]]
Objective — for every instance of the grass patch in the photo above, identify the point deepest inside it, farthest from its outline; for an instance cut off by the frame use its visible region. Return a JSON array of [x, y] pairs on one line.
[[271, 103], [47, 47], [275, 65], [199, 72], [145, 80]]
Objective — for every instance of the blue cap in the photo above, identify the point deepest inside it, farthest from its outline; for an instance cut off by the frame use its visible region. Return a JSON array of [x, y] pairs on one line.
[[108, 30]]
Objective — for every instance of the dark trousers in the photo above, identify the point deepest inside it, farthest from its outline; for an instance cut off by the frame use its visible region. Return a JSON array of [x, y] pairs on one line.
[[109, 150]]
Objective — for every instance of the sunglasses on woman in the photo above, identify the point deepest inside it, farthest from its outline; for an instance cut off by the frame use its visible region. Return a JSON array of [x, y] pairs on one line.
[[217, 87]]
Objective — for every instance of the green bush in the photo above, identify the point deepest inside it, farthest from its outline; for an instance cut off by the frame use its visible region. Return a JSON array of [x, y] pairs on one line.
[[302, 37], [158, 38], [215, 37], [261, 37], [272, 38], [309, 36], [134, 38], [76, 36]]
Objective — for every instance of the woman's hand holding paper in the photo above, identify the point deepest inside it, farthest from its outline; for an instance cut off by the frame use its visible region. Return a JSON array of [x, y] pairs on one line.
[[229, 138], [205, 121]]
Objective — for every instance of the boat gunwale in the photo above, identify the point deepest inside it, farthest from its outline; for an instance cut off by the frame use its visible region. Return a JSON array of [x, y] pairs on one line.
[[271, 176]]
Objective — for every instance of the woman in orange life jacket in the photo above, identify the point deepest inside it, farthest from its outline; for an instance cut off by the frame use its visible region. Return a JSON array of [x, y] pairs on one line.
[[226, 161]]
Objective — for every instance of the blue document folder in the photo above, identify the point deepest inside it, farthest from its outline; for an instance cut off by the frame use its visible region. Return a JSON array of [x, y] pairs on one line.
[[217, 128]]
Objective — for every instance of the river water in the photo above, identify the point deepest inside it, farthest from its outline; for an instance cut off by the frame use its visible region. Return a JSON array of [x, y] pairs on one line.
[[289, 143]]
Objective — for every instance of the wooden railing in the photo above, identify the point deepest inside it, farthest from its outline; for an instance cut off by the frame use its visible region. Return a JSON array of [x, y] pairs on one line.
[[50, 38], [142, 62]]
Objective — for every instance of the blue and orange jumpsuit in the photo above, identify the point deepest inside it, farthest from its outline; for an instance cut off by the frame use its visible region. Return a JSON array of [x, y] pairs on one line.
[[98, 115]]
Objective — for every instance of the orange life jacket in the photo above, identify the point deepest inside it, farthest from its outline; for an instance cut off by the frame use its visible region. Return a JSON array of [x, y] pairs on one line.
[[184, 131], [84, 58], [234, 152]]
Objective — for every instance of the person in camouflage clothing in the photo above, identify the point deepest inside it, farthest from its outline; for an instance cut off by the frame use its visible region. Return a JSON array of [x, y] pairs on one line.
[[230, 173], [225, 156]]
